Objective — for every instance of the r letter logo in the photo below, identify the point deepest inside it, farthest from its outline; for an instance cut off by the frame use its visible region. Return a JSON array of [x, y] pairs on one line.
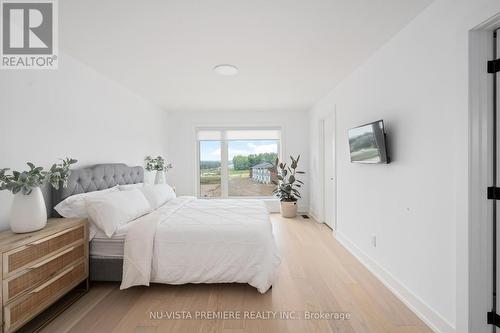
[[29, 34]]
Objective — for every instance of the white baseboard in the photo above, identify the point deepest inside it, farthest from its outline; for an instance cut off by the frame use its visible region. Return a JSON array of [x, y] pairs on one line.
[[315, 217], [433, 319]]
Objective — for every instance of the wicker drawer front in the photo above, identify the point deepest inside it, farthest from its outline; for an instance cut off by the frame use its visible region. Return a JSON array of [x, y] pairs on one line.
[[22, 257], [40, 272], [20, 311]]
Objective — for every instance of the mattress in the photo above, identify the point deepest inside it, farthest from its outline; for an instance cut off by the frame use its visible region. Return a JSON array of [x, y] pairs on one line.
[[103, 247], [106, 248]]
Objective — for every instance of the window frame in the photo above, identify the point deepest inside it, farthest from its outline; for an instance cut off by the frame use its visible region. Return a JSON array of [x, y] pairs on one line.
[[224, 157]]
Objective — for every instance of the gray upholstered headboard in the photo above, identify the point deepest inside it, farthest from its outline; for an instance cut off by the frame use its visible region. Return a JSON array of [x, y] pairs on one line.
[[96, 178]]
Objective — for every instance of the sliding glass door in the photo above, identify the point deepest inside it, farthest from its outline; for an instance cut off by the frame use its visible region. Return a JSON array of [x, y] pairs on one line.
[[250, 165], [237, 162], [210, 169]]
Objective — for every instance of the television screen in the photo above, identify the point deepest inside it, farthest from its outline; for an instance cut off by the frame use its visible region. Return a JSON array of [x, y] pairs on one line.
[[367, 143]]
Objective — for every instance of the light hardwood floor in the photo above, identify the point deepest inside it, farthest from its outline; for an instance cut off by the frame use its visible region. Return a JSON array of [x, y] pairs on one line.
[[316, 274]]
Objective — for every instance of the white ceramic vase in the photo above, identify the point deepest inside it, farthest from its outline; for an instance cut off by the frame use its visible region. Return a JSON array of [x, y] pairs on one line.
[[288, 208], [160, 177], [28, 212]]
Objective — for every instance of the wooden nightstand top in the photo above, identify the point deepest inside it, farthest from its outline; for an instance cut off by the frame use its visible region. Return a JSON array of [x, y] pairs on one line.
[[10, 240]]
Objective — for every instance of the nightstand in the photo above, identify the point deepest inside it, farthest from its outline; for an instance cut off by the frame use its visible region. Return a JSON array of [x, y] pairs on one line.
[[41, 267]]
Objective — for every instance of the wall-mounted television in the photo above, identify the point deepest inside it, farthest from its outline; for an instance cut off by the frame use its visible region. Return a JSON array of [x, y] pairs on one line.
[[368, 144]]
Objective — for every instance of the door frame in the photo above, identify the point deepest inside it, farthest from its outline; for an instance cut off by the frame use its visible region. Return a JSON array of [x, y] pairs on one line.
[[478, 241], [321, 160]]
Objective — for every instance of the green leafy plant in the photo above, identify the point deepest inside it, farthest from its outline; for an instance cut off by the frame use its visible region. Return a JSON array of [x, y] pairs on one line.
[[59, 173], [150, 163], [26, 181], [287, 185], [157, 164]]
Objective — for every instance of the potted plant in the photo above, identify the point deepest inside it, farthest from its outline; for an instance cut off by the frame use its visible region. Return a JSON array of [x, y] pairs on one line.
[[28, 212], [287, 186], [159, 165]]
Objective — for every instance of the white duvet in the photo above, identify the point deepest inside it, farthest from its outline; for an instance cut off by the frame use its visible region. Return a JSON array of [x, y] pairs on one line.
[[189, 240]]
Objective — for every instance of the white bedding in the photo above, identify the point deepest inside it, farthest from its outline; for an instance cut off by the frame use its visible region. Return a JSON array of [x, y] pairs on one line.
[[189, 240]]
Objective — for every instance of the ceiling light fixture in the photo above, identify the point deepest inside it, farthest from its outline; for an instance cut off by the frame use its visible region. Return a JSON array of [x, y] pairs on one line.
[[226, 70]]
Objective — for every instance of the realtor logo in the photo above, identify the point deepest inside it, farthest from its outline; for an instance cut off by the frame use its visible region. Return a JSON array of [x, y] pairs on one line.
[[29, 34]]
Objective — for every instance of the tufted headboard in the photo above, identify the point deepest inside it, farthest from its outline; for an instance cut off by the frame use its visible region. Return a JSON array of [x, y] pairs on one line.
[[97, 177]]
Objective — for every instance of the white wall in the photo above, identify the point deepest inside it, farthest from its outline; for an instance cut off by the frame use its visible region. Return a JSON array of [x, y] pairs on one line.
[[417, 205], [73, 111], [182, 141]]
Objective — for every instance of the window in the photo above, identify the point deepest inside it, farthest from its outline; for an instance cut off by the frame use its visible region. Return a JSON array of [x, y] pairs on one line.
[[237, 162]]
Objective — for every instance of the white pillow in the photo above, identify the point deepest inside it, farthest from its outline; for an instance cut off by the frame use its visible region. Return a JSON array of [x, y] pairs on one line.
[[158, 194], [115, 209], [130, 186], [74, 206]]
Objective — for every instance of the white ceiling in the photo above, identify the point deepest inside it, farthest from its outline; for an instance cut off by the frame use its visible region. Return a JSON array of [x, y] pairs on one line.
[[290, 52]]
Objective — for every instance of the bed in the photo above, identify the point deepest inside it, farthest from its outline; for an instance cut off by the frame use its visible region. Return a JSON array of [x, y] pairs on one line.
[[187, 240]]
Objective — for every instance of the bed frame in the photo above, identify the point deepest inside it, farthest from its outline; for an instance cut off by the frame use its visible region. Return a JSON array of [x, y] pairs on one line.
[[96, 178]]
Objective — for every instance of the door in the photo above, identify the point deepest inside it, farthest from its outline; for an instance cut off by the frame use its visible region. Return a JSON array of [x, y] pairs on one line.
[[329, 196], [496, 175]]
